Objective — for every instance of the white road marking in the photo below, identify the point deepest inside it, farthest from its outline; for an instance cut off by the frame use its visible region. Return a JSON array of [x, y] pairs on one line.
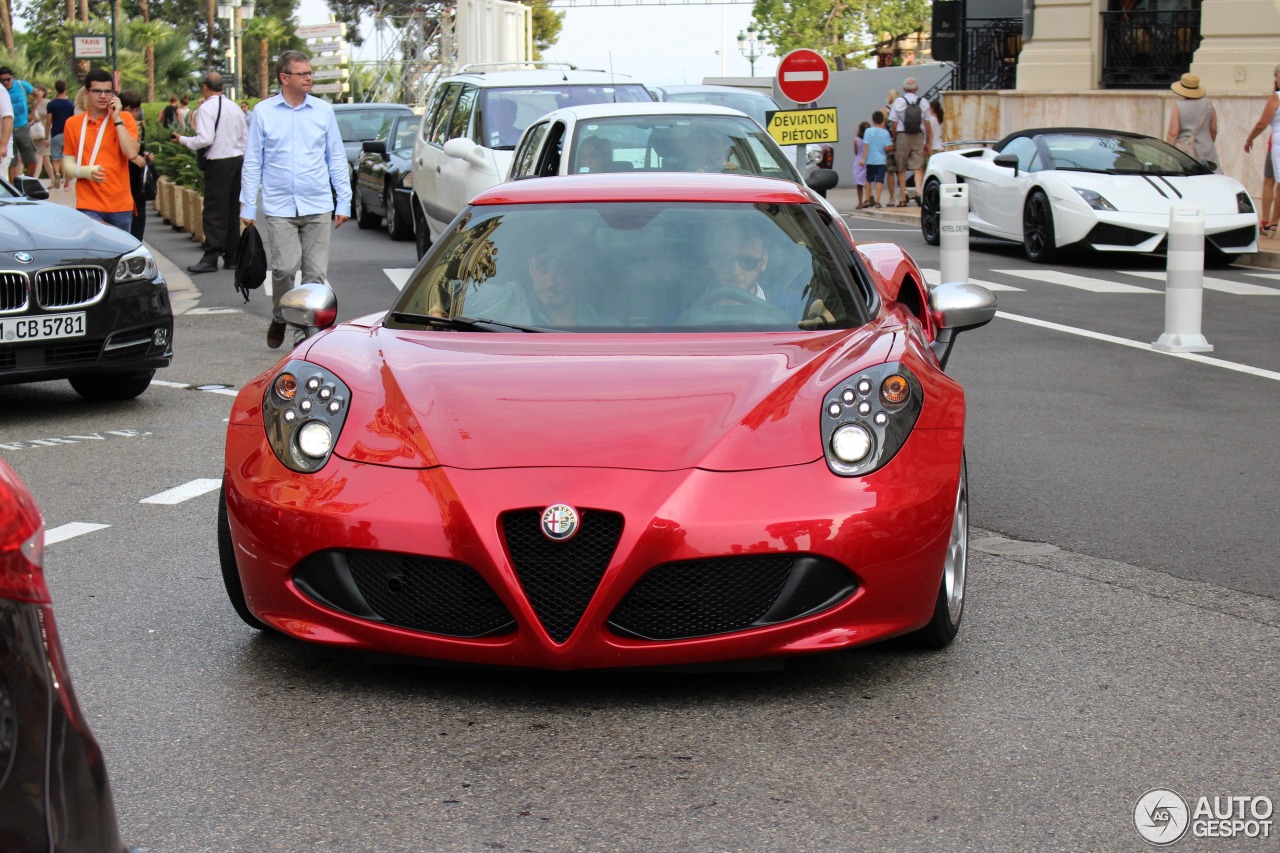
[[399, 277], [185, 492], [1271, 275], [70, 531], [215, 311], [1125, 342], [1222, 285], [1079, 282], [932, 276]]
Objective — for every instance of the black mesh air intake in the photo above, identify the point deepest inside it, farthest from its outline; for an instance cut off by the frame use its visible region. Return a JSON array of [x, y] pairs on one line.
[[419, 593], [559, 578]]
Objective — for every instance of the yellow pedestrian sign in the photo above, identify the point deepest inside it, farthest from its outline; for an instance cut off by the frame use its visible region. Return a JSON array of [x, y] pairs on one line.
[[800, 127]]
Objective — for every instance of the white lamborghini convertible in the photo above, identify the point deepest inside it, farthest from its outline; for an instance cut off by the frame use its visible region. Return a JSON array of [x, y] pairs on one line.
[[1108, 190]]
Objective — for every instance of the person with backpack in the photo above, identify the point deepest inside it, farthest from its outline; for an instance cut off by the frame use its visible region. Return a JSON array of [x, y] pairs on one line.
[[912, 136]]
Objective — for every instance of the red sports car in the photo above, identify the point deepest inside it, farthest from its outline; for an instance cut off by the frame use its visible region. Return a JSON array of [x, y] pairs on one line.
[[614, 421]]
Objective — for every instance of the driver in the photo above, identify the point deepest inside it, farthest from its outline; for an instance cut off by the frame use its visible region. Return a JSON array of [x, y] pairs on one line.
[[739, 258]]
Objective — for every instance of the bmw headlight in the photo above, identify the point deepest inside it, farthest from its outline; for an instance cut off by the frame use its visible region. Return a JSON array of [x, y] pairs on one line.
[[866, 419], [1095, 199], [303, 410], [137, 265], [1244, 204]]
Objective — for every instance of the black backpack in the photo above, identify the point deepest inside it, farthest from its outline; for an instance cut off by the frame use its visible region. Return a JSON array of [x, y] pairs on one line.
[[912, 116], [251, 262]]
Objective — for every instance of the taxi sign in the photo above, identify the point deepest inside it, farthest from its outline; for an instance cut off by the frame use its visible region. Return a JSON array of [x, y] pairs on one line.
[[803, 75], [800, 127]]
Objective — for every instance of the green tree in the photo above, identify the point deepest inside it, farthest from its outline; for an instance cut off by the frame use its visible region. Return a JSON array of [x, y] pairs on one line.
[[847, 29], [267, 36]]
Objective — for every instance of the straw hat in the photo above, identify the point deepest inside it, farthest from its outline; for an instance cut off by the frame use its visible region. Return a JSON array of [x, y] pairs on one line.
[[1189, 86]]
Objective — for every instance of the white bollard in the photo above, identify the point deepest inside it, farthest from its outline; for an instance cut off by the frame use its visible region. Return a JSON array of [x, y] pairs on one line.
[[1184, 287], [953, 231]]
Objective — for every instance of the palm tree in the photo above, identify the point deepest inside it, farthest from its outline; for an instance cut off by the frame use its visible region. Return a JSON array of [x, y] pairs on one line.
[[266, 31]]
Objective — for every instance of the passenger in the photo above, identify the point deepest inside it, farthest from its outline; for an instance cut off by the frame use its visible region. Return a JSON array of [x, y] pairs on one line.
[[552, 296], [595, 154]]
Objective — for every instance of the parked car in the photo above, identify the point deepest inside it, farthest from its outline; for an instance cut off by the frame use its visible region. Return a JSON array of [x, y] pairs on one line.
[[1106, 190], [383, 189], [79, 300], [653, 138], [360, 123], [615, 420], [754, 103], [473, 121], [54, 790]]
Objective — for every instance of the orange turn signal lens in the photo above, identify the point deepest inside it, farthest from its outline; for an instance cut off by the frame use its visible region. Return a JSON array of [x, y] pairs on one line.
[[894, 390], [286, 386]]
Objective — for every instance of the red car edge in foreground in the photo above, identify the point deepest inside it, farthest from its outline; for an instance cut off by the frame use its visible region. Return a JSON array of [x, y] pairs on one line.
[[615, 421]]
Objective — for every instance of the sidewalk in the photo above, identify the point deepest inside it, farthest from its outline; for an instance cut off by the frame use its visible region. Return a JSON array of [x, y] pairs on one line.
[[183, 295], [846, 201]]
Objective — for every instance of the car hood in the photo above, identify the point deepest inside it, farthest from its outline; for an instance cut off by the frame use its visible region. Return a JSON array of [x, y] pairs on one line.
[[651, 402], [31, 226], [1216, 194]]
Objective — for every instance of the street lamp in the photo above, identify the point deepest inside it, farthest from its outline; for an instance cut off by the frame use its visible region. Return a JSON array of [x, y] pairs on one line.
[[234, 12], [749, 46]]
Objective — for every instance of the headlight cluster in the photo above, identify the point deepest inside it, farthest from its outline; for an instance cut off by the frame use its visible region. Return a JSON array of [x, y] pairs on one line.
[[866, 419], [303, 410], [137, 265], [1095, 199], [1244, 204]]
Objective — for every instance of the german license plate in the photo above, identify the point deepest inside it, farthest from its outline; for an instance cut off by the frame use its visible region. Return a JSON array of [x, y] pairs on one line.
[[16, 330]]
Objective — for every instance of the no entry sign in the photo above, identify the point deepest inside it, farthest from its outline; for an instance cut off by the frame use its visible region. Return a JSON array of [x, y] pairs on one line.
[[803, 75]]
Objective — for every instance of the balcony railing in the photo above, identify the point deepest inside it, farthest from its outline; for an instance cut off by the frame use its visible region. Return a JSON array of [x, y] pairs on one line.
[[989, 57], [1147, 50]]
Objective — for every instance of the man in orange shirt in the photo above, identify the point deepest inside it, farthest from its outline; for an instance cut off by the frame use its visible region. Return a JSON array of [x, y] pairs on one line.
[[97, 147]]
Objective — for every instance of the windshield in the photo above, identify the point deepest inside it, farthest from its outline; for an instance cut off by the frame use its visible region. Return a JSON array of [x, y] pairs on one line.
[[1118, 155], [636, 267], [751, 103], [405, 133], [678, 144], [364, 125], [505, 113]]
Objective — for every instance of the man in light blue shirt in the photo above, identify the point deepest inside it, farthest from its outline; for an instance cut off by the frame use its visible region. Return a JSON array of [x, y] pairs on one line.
[[295, 156]]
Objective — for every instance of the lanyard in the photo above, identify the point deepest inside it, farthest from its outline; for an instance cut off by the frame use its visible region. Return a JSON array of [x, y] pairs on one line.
[[97, 143]]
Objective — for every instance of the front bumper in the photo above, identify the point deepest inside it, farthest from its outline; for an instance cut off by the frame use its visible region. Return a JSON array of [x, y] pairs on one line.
[[1107, 231], [886, 533]]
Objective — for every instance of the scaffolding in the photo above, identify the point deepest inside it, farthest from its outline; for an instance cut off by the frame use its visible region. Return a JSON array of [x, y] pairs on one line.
[[414, 48]]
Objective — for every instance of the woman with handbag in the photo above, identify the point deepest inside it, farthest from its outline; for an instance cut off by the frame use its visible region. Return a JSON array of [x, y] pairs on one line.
[[1193, 124]]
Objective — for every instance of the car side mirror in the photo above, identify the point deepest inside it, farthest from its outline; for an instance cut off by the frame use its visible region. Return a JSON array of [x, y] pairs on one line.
[[31, 188], [375, 146], [311, 306], [958, 307], [1007, 161], [464, 149], [821, 180]]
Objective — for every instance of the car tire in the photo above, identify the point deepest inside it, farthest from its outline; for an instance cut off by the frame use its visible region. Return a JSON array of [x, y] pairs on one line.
[[421, 232], [112, 387], [1037, 228], [364, 219], [397, 229], [230, 571], [948, 608], [931, 212]]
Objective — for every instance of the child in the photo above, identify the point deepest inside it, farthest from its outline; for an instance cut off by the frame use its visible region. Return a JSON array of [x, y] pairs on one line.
[[873, 156], [859, 167]]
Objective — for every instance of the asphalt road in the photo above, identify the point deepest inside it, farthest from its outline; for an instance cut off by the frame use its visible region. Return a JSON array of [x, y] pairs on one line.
[[1136, 649]]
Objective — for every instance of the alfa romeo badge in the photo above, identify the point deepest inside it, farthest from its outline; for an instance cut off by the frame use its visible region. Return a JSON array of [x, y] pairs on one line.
[[560, 522]]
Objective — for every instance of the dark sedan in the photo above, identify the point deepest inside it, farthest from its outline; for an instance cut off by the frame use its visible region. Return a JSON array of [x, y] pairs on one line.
[[383, 185], [360, 123], [54, 793], [79, 300]]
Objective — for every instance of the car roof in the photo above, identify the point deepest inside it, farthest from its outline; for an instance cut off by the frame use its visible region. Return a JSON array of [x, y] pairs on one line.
[[491, 74], [711, 87], [398, 107], [584, 112], [652, 186], [1070, 131]]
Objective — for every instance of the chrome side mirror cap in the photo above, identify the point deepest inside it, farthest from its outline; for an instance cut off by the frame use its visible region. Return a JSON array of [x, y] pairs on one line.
[[311, 305], [957, 307]]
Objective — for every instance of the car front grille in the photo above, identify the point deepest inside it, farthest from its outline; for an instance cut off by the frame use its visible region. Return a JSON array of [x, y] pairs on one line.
[[428, 594], [559, 578], [1236, 238], [79, 352], [1106, 234], [70, 287], [13, 291]]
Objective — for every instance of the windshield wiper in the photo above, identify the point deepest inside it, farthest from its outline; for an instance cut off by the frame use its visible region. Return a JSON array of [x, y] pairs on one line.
[[466, 324]]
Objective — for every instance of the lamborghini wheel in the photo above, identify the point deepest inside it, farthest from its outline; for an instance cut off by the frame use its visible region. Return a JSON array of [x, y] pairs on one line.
[[931, 212], [1037, 228]]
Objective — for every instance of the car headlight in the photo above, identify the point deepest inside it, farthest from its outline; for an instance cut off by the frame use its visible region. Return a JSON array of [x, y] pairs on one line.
[[866, 419], [136, 265], [1244, 204], [1095, 199], [303, 410], [406, 179]]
